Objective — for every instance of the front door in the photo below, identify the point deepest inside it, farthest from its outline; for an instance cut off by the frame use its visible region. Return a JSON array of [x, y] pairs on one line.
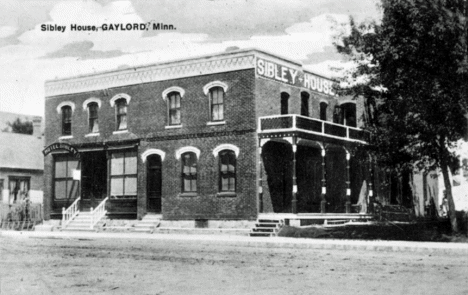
[[93, 179], [153, 183]]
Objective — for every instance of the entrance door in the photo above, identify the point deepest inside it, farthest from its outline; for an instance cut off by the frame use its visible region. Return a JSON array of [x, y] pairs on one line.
[[93, 179], [153, 183]]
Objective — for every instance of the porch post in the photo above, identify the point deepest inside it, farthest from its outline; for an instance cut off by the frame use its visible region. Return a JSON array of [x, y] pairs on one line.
[[260, 180], [348, 184], [371, 184], [294, 195], [260, 174], [323, 196]]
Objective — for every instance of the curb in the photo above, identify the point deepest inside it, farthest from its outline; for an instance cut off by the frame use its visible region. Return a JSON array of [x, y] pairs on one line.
[[260, 242]]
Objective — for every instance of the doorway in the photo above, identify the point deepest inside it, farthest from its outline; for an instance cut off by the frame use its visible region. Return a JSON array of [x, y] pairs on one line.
[[93, 179], [153, 183]]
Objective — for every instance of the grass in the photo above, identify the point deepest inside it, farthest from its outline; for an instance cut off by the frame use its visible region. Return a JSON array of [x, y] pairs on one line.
[[435, 231]]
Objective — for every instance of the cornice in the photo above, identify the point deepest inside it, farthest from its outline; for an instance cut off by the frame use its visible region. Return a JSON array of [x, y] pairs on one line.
[[153, 73]]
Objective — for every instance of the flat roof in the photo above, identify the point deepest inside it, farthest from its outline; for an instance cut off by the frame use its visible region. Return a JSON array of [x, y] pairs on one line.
[[172, 69]]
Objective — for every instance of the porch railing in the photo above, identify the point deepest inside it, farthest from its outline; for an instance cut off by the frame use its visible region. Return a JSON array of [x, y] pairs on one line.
[[284, 123], [70, 213], [98, 212]]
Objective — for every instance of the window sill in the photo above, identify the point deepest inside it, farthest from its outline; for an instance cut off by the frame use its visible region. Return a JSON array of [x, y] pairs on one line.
[[92, 134], [173, 126], [66, 137], [214, 123], [120, 131], [226, 194], [188, 195]]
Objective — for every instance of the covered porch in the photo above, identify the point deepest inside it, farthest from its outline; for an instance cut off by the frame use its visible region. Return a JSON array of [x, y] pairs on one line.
[[313, 169]]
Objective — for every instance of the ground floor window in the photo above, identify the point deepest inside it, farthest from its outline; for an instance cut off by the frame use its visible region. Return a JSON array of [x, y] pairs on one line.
[[19, 188], [123, 176], [189, 172], [227, 171], [64, 188]]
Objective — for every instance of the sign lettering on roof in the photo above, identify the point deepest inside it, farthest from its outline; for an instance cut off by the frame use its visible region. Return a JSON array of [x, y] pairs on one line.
[[284, 74]]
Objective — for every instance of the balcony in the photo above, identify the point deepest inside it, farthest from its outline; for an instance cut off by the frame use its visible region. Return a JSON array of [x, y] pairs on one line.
[[298, 123]]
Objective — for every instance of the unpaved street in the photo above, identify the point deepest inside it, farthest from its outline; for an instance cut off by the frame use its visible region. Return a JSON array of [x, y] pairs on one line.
[[124, 266]]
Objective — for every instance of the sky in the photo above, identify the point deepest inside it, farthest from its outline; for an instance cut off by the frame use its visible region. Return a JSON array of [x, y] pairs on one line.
[[301, 30]]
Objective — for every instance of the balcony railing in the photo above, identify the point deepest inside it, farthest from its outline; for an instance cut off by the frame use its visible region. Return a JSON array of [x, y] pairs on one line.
[[285, 123]]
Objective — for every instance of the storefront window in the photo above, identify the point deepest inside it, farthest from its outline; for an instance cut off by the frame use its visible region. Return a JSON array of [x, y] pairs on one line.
[[63, 177], [123, 176]]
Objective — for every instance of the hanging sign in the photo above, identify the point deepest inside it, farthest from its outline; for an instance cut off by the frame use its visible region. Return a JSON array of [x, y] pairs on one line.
[[61, 146], [274, 71]]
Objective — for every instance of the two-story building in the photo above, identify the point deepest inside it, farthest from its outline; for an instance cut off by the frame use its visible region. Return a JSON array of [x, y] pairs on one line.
[[227, 136]]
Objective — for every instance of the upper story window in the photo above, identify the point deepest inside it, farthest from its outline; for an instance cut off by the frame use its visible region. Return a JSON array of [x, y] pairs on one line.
[[121, 114], [93, 120], [189, 172], [120, 101], [217, 103], [284, 103], [92, 105], [66, 120], [65, 110], [323, 111], [216, 92], [173, 96], [305, 104], [173, 102], [348, 114]]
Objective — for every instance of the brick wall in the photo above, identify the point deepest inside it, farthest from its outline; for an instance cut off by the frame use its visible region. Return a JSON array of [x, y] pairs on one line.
[[147, 118]]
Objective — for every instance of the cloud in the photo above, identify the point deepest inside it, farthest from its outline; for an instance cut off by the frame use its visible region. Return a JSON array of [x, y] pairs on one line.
[[6, 31], [299, 29], [83, 50]]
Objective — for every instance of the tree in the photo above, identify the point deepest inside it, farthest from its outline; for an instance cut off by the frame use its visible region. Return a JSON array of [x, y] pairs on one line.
[[19, 126], [412, 71]]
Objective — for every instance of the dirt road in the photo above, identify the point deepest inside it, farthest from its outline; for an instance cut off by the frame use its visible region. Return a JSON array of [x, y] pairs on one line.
[[123, 266]]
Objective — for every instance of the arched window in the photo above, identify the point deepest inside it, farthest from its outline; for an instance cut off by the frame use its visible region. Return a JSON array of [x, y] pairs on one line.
[[227, 171], [189, 172], [348, 114], [121, 114], [66, 120], [305, 104], [284, 103], [173, 103], [217, 103], [93, 120], [323, 111]]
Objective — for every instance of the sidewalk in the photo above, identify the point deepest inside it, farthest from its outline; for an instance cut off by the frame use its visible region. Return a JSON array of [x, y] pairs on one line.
[[273, 242]]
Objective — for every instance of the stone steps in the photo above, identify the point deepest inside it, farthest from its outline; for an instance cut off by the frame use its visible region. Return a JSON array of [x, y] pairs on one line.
[[148, 223], [266, 228]]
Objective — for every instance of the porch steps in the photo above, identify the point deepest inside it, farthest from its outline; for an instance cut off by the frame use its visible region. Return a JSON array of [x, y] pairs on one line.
[[266, 228], [148, 223], [81, 222]]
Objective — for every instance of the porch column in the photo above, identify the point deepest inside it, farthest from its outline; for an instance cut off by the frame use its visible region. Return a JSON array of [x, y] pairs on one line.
[[348, 184], [371, 184], [260, 174], [260, 180], [294, 194], [323, 196]]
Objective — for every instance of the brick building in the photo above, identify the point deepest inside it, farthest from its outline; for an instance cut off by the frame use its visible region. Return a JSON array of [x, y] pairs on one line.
[[221, 137]]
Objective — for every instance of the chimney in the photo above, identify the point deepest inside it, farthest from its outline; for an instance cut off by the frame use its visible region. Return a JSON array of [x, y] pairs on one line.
[[37, 127]]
